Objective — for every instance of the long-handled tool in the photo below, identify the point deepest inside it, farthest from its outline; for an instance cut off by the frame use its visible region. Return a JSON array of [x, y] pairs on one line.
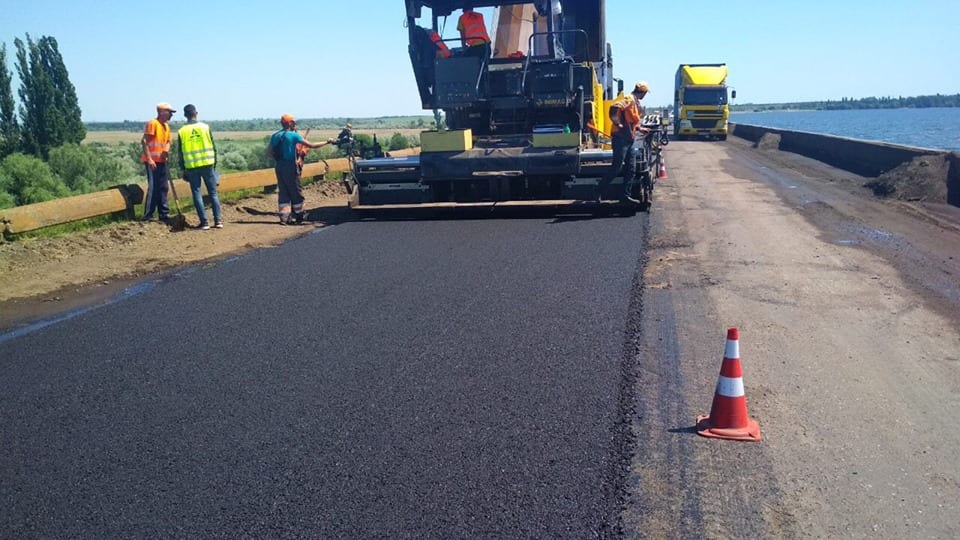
[[179, 222]]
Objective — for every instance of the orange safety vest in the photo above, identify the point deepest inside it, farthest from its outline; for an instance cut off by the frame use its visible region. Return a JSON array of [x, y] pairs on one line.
[[472, 29], [629, 111], [443, 51], [158, 141]]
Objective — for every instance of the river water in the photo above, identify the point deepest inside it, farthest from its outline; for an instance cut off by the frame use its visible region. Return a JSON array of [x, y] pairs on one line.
[[937, 128]]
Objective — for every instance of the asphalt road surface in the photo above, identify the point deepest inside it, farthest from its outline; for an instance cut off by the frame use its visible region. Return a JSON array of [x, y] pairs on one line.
[[429, 378], [517, 377]]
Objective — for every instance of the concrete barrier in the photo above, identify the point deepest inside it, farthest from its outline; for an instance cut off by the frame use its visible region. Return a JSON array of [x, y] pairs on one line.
[[953, 179], [866, 158], [31, 217]]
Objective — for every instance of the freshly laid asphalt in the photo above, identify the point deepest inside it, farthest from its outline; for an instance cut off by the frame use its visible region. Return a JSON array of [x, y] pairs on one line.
[[420, 379]]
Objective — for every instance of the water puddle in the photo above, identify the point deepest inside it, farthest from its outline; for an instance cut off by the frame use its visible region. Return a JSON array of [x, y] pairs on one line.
[[29, 328]]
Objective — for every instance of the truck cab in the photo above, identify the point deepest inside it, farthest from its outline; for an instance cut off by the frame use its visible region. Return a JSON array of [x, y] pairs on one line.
[[701, 107]]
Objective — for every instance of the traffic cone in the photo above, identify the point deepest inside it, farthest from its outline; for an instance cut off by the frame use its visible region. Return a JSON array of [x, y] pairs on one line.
[[728, 417], [663, 168]]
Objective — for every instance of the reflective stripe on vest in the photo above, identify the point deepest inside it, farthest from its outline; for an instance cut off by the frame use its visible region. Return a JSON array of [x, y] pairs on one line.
[[159, 143], [443, 51], [474, 31], [196, 145]]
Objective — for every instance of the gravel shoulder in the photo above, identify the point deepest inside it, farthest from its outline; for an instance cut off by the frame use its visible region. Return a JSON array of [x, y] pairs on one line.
[[849, 316]]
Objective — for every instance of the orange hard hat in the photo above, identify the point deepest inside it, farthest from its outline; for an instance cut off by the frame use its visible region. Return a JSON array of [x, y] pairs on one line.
[[287, 119]]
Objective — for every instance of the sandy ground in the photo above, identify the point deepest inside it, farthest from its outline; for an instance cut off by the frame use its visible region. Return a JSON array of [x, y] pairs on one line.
[[43, 276]]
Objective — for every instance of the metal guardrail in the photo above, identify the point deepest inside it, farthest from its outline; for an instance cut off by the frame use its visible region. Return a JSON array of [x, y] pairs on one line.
[[31, 217]]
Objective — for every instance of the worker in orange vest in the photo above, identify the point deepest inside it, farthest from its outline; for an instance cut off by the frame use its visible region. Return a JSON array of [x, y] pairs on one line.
[[442, 50], [625, 117], [155, 149], [473, 33]]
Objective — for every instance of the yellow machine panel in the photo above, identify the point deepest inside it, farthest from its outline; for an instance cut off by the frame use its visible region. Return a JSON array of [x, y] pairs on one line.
[[456, 140]]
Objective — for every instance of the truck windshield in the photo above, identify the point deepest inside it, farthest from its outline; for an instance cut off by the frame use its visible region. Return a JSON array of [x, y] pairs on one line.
[[705, 96]]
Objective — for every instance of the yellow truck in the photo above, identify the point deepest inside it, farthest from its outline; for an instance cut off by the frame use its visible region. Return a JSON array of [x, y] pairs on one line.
[[700, 107]]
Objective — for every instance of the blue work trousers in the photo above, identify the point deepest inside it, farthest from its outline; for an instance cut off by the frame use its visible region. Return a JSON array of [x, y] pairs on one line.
[[208, 176], [624, 157], [157, 186]]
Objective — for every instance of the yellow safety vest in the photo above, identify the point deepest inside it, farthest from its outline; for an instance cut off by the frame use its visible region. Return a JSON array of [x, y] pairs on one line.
[[196, 143]]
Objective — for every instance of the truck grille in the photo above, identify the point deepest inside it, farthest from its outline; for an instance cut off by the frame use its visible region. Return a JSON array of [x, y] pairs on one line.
[[705, 124]]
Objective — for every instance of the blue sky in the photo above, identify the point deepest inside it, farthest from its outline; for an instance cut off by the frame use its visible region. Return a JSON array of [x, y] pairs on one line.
[[323, 58]]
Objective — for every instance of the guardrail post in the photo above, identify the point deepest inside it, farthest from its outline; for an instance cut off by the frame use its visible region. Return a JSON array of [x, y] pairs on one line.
[[133, 195]]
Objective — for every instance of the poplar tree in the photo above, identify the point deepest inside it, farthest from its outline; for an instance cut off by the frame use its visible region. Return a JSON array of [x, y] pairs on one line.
[[49, 110], [9, 130]]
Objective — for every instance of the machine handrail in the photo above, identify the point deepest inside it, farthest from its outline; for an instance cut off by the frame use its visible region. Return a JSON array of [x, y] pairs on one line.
[[529, 58]]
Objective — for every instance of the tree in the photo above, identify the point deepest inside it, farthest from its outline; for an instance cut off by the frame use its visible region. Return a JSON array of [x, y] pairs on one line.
[[49, 111], [9, 130]]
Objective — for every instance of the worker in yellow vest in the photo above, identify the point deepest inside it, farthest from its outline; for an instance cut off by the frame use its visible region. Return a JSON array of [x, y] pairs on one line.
[[198, 160]]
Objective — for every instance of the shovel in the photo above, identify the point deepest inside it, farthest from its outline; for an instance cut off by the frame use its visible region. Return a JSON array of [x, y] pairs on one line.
[[179, 222]]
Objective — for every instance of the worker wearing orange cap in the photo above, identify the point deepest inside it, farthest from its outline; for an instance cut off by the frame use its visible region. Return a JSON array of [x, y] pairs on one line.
[[283, 149], [625, 117], [155, 149]]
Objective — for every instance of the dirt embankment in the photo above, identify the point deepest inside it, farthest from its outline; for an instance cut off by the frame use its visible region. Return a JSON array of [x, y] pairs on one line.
[[927, 177], [48, 275]]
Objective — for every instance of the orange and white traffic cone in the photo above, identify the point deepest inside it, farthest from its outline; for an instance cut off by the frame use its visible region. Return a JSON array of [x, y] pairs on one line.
[[663, 168], [728, 417]]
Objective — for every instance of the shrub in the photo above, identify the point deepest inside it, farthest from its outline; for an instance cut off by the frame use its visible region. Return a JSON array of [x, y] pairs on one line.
[[232, 160], [398, 142], [28, 180], [85, 169], [256, 156]]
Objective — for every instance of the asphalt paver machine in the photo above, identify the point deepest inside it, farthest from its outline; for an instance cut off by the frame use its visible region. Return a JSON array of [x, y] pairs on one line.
[[521, 121]]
